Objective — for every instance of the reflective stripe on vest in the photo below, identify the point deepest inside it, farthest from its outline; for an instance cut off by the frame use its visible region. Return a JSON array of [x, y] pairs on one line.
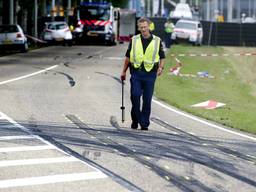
[[151, 56]]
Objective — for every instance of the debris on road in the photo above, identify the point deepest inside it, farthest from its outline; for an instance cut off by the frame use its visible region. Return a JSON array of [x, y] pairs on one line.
[[210, 104]]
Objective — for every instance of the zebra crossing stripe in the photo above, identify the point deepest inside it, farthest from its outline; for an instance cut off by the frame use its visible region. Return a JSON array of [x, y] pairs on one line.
[[30, 181], [19, 162], [17, 137], [26, 148]]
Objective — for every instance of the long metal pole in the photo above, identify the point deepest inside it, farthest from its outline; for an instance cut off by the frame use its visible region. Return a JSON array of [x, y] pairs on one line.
[[122, 106]]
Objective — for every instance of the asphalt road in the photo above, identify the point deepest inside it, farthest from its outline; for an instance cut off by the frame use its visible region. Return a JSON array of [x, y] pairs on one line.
[[61, 130]]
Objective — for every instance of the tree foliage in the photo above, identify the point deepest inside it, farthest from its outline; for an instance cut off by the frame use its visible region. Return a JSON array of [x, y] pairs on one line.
[[119, 3], [27, 4]]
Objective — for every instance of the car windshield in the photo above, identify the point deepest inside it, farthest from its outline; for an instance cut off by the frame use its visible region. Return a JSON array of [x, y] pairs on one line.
[[185, 25], [94, 13], [8, 29], [57, 26]]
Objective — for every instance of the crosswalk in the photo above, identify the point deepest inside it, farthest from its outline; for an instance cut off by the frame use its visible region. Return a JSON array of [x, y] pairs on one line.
[[28, 160]]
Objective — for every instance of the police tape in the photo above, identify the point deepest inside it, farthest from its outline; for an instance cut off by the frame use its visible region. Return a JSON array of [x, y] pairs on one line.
[[212, 54], [35, 39]]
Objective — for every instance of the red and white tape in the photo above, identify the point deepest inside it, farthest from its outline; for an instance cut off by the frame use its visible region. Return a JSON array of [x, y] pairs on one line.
[[212, 54], [35, 39]]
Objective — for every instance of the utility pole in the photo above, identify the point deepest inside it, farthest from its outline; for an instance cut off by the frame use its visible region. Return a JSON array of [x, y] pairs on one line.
[[11, 11]]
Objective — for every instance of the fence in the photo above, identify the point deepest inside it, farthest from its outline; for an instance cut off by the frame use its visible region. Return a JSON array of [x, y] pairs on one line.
[[230, 34]]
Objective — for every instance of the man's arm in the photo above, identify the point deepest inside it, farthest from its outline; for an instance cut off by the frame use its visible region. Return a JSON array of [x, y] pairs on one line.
[[162, 57], [160, 67], [126, 62], [125, 67]]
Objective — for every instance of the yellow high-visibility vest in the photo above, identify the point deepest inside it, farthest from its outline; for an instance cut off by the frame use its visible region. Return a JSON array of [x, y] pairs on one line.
[[151, 56]]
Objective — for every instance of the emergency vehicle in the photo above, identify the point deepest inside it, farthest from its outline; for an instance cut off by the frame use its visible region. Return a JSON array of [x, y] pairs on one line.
[[103, 23]]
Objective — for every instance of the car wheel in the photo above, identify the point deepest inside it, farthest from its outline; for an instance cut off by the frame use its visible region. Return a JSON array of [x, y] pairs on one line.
[[70, 43], [24, 48]]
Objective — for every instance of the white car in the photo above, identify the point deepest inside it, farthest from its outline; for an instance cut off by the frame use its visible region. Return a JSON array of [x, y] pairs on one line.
[[57, 32], [12, 37], [188, 30]]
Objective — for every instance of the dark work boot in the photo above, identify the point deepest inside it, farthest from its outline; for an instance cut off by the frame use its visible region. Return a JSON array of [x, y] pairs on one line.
[[144, 128], [134, 125]]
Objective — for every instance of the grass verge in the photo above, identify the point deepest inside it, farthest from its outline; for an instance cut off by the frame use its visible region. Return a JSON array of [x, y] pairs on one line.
[[233, 84]]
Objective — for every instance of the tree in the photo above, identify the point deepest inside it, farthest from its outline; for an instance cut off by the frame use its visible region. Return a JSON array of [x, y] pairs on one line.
[[119, 3]]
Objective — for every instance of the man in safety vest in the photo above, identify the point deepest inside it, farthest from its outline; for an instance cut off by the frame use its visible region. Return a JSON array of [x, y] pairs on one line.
[[145, 58], [168, 28]]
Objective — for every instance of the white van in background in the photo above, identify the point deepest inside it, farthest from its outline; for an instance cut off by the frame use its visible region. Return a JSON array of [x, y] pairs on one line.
[[182, 10]]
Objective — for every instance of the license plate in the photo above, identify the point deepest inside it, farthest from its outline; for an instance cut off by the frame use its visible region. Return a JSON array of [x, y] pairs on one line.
[[6, 42], [59, 39], [89, 33], [182, 35]]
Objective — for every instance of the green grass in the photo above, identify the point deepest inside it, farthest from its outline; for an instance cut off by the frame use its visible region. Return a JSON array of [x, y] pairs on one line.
[[232, 84]]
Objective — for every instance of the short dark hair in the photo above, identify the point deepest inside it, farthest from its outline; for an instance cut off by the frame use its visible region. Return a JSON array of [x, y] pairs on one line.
[[144, 19]]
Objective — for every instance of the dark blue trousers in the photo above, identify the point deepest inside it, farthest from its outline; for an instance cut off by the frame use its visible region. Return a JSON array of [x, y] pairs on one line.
[[142, 87]]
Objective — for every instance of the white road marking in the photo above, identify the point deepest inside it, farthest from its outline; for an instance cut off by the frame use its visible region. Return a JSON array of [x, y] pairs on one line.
[[203, 121], [29, 75], [17, 137], [41, 139], [114, 58], [27, 148], [37, 161], [30, 181]]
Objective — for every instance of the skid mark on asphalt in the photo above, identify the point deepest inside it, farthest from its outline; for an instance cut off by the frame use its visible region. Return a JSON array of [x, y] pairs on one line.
[[104, 141], [131, 143], [19, 142], [195, 149]]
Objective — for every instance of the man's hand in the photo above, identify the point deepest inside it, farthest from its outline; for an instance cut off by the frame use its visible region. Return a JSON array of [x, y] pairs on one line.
[[160, 71], [123, 76]]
